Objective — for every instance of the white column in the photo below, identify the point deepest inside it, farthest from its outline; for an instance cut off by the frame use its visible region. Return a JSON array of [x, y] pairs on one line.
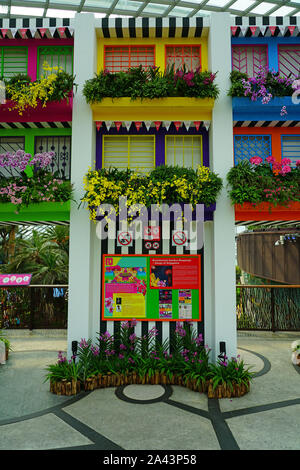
[[222, 286], [82, 230]]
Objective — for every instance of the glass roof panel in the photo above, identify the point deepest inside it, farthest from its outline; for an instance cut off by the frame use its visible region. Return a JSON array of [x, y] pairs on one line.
[[180, 8]]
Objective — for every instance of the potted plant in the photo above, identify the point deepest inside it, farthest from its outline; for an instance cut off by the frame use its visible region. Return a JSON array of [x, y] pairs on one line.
[[6, 342]]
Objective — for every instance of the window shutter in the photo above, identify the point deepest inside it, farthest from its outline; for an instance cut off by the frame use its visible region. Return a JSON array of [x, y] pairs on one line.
[[248, 59], [55, 56], [134, 152], [289, 60], [121, 58], [185, 151], [14, 60], [291, 148], [247, 146], [180, 57]]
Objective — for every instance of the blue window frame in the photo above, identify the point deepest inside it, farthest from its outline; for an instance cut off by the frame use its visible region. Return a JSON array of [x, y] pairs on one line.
[[247, 146]]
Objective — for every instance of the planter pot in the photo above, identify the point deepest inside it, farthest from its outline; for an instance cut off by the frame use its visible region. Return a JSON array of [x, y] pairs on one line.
[[162, 109], [45, 211], [246, 110], [266, 211], [54, 111]]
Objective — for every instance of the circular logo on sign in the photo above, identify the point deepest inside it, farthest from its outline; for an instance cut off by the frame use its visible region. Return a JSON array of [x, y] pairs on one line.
[[148, 245], [155, 245], [179, 238], [124, 238]]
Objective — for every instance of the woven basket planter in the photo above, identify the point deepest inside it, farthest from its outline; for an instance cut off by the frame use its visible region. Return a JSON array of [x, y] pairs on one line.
[[116, 380]]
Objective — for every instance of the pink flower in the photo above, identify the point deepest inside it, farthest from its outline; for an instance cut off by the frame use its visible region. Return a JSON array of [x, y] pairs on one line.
[[285, 169], [255, 160], [286, 161], [270, 159], [298, 163]]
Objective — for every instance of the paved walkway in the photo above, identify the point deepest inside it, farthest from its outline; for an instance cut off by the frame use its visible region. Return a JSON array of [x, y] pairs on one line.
[[151, 418]]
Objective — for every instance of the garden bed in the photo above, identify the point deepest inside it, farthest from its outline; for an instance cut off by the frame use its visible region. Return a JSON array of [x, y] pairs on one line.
[[125, 359], [74, 387]]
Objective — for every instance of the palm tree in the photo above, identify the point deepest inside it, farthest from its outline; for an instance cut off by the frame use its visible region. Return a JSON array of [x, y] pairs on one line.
[[44, 258]]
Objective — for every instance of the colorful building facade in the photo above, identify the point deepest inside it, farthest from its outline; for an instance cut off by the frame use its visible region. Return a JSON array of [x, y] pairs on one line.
[[197, 281]]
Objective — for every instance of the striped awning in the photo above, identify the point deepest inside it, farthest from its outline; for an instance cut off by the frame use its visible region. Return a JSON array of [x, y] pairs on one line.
[[153, 27], [36, 125], [27, 28], [266, 123], [266, 26]]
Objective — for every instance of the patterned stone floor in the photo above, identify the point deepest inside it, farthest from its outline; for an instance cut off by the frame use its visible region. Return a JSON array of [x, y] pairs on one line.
[[152, 418]]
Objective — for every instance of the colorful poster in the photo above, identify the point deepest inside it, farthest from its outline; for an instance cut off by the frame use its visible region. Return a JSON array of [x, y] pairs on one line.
[[165, 304], [125, 287], [178, 272], [151, 287], [185, 304]]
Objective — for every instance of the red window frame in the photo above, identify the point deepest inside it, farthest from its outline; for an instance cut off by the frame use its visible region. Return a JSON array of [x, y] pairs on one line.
[[190, 46], [117, 68]]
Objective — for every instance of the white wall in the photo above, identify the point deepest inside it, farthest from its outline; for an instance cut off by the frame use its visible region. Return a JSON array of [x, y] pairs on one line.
[[82, 231], [219, 289]]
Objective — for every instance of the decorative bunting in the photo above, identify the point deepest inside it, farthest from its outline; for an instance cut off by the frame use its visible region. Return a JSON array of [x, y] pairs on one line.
[[253, 30], [127, 125], [157, 124], [272, 29], [206, 124], [197, 124], [167, 124], [291, 29], [42, 31], [263, 29], [61, 31], [147, 124], [138, 125], [23, 32], [4, 32], [118, 124], [108, 124], [234, 29], [187, 124], [177, 124], [98, 125], [282, 29]]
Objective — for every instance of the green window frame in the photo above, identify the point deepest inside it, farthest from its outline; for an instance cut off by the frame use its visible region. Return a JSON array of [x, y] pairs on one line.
[[13, 60], [61, 56]]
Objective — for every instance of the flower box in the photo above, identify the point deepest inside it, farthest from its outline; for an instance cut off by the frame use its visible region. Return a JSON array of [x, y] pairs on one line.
[[95, 382], [246, 110], [267, 211], [43, 211], [60, 111], [168, 109]]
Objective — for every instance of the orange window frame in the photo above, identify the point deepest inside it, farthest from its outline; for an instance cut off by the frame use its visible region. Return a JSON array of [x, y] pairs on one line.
[[190, 46], [130, 47]]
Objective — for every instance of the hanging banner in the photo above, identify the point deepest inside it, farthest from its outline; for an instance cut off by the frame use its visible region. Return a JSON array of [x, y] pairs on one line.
[[197, 124], [167, 124], [23, 32], [148, 124], [177, 124], [98, 125], [157, 124], [291, 29], [127, 124], [234, 30], [253, 29], [118, 124], [15, 279], [42, 31], [138, 125], [61, 31], [272, 29], [4, 32], [151, 287]]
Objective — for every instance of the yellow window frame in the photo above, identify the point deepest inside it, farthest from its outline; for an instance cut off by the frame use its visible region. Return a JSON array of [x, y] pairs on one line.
[[185, 138], [129, 140]]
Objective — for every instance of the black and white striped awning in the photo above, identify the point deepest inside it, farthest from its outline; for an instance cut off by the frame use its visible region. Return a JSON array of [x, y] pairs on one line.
[[152, 27], [269, 224], [26, 28], [258, 26], [34, 224], [266, 124], [36, 125]]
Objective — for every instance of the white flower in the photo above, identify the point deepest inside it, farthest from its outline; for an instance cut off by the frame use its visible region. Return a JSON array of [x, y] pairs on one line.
[[295, 345]]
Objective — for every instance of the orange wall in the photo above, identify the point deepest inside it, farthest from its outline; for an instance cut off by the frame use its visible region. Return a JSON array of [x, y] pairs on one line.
[[274, 132]]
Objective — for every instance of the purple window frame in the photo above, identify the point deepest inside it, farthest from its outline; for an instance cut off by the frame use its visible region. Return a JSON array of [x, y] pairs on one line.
[[159, 140]]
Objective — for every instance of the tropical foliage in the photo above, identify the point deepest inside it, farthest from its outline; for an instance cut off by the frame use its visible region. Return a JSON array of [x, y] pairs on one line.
[[256, 181], [54, 85], [137, 82], [164, 184], [184, 359]]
